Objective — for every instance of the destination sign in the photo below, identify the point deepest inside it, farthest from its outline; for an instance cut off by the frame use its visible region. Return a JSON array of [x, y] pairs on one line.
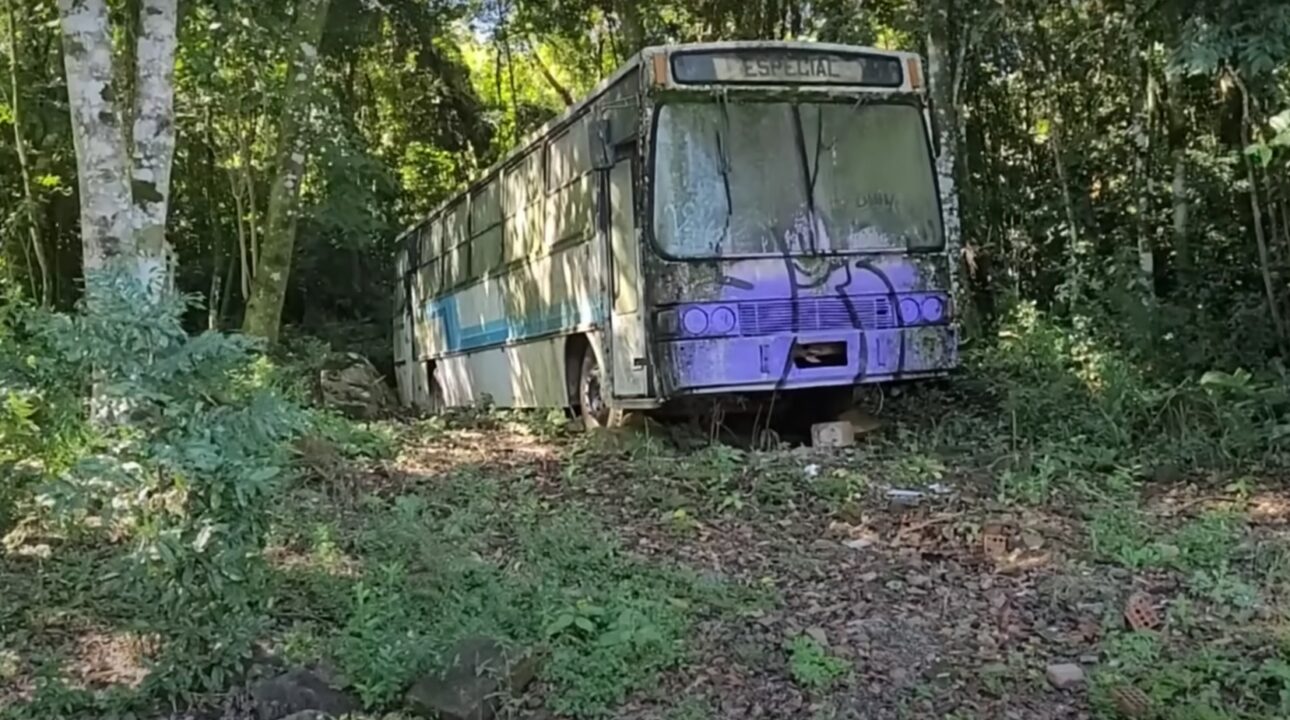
[[782, 67]]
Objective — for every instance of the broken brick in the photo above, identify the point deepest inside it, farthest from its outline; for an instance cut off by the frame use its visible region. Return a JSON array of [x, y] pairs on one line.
[[1141, 613]]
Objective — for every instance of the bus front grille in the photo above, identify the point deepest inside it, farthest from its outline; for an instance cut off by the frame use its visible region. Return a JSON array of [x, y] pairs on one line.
[[811, 314]]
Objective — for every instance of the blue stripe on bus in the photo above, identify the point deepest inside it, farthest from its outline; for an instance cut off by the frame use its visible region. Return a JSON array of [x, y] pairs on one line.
[[495, 332]]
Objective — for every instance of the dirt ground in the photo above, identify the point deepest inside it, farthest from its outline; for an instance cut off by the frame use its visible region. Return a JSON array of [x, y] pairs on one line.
[[942, 603], [893, 580]]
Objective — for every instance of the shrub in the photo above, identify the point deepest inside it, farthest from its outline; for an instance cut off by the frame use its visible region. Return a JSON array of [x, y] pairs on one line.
[[189, 447], [1073, 381]]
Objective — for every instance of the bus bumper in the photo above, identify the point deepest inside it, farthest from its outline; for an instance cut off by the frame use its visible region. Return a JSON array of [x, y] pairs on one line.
[[803, 360]]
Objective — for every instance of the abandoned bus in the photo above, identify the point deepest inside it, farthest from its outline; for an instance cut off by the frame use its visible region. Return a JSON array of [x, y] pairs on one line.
[[714, 221]]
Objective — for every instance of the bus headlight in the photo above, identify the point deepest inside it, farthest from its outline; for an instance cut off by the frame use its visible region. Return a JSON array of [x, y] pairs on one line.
[[910, 311], [933, 310], [694, 321], [721, 321]]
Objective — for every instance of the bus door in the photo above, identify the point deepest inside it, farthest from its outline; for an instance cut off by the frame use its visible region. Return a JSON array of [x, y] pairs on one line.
[[627, 348]]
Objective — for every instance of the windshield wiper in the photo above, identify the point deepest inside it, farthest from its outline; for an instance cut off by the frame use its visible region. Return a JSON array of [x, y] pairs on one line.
[[808, 176], [723, 155]]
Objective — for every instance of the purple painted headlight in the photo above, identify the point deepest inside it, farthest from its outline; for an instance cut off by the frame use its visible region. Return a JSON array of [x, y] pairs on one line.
[[933, 310], [909, 311], [721, 321], [694, 321]]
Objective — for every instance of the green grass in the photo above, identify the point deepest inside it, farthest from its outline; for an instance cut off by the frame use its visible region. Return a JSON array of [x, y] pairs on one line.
[[1217, 656], [481, 554], [1125, 536], [812, 667]]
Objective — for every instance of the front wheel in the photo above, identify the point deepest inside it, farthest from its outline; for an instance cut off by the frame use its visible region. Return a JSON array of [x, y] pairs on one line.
[[592, 400]]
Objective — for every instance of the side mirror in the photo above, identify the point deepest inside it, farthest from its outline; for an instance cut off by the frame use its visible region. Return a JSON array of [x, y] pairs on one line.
[[602, 149]]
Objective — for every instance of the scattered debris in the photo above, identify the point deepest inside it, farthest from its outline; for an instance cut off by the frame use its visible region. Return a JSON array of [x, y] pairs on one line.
[[833, 434], [1131, 702], [354, 387], [908, 498], [482, 674], [995, 542], [861, 422], [1141, 612], [1064, 676]]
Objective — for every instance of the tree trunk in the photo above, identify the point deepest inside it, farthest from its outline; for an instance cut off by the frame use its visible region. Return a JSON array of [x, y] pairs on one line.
[[1178, 187], [242, 255], [24, 165], [154, 136], [1068, 203], [1140, 135], [551, 79], [1285, 216], [102, 165], [629, 25], [1256, 210], [219, 251], [269, 286], [941, 85]]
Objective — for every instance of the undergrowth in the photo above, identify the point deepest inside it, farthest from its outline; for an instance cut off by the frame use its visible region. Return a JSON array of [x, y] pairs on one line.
[[811, 665], [187, 531], [480, 555], [1080, 415]]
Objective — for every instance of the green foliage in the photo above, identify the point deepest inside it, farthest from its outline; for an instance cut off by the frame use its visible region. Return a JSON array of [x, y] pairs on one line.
[[42, 428], [480, 555], [812, 666], [1215, 683], [1112, 413], [1206, 544], [187, 461], [373, 441]]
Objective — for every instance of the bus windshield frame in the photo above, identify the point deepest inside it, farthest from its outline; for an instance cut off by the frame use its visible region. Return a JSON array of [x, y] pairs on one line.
[[883, 219]]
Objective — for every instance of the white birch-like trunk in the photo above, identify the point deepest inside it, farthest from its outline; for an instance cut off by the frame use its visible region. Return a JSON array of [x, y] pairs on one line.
[[941, 83], [102, 165], [154, 137], [1140, 132]]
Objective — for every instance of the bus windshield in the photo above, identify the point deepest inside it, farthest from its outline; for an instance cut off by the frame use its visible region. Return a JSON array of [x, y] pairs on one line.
[[771, 178]]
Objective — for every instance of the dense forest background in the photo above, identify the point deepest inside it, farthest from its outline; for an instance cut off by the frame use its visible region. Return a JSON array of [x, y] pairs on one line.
[[1090, 520], [1121, 162]]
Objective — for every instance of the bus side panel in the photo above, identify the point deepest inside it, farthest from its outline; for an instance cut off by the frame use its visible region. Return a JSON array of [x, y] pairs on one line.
[[528, 375], [554, 295]]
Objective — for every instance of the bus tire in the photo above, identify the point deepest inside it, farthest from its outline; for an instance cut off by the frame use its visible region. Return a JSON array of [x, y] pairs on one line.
[[436, 404], [596, 409]]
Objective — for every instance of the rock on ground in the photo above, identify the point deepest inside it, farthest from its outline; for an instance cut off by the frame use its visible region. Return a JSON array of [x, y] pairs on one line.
[[296, 691], [1064, 676], [480, 676], [354, 387]]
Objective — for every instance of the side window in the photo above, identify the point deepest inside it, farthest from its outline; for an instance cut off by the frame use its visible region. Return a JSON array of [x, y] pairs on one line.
[[522, 203], [430, 279], [400, 270], [569, 203], [425, 244], [435, 240], [486, 229], [456, 254], [568, 156]]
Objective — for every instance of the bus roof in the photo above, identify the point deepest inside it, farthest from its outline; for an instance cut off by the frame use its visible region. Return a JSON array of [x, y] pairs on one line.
[[645, 55]]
